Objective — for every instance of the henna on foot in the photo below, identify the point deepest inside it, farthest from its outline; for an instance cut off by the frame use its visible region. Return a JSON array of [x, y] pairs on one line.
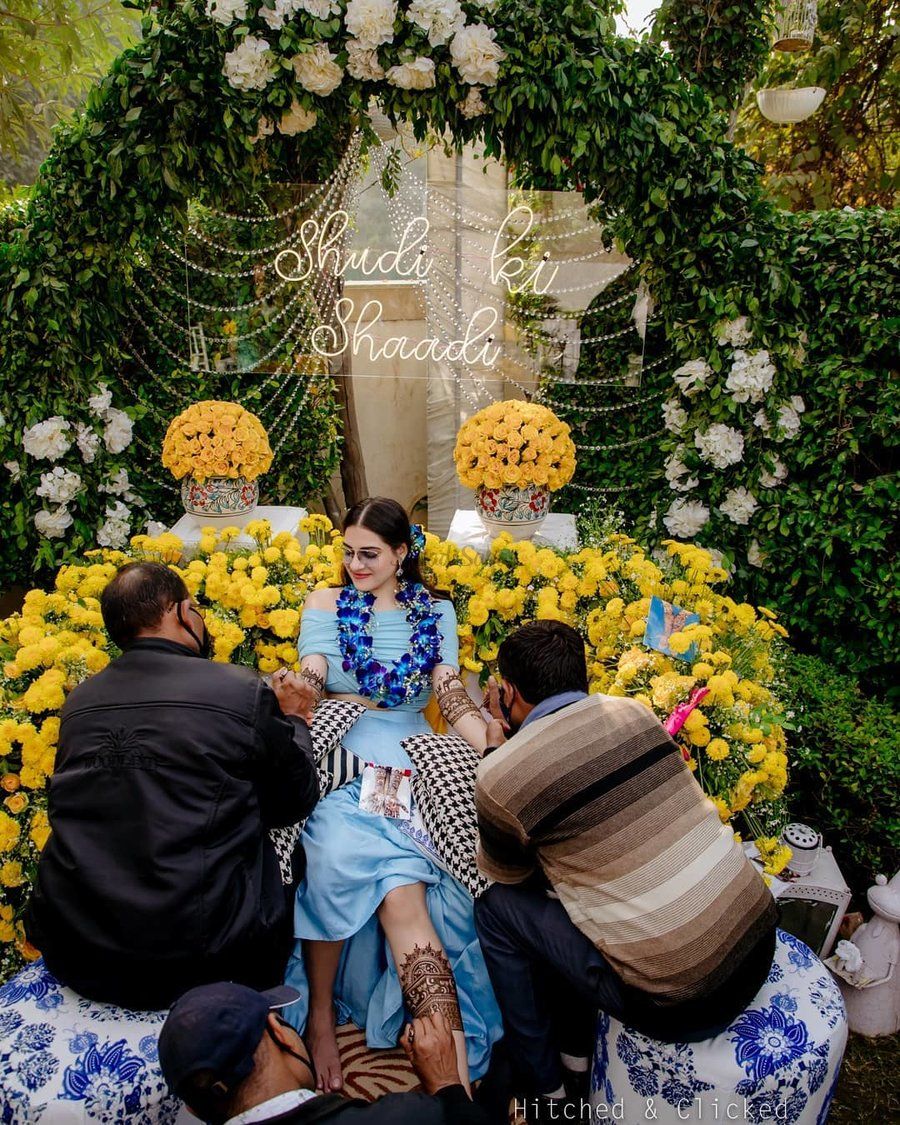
[[428, 985]]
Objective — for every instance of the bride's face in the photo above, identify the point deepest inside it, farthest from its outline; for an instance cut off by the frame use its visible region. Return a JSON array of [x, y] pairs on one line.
[[369, 560]]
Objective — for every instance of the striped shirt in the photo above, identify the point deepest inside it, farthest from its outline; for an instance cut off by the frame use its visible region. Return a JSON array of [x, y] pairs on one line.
[[599, 796]]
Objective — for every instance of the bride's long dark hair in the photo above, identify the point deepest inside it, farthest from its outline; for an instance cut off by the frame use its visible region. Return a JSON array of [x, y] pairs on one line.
[[388, 520]]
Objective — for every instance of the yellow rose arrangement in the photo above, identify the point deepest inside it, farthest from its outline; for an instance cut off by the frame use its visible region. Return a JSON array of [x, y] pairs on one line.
[[253, 603], [216, 439], [514, 443]]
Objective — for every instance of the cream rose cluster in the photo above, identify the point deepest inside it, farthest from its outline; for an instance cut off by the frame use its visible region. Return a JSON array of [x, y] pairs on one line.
[[251, 65], [417, 74], [47, 440], [476, 56], [371, 22], [317, 71], [439, 19]]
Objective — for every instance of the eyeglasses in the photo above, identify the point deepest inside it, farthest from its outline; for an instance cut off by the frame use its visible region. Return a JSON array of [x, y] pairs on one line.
[[364, 554]]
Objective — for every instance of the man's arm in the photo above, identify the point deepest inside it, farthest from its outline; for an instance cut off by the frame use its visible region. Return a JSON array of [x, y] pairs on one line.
[[286, 781], [504, 852]]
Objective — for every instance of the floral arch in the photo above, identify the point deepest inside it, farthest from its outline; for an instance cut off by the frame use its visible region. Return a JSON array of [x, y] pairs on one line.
[[222, 97]]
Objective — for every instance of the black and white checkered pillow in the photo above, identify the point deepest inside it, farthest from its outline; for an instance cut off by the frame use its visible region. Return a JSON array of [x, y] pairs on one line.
[[444, 791], [334, 763]]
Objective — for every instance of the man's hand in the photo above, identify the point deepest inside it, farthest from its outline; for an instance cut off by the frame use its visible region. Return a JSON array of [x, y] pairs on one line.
[[296, 695], [497, 728], [428, 1043]]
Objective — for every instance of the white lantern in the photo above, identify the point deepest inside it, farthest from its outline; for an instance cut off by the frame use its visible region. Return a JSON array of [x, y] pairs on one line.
[[796, 25]]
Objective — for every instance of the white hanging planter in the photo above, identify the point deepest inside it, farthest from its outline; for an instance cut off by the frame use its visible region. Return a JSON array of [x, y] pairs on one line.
[[785, 106]]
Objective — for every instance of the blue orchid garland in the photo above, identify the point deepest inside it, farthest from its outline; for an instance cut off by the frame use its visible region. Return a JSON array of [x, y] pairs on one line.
[[408, 676]]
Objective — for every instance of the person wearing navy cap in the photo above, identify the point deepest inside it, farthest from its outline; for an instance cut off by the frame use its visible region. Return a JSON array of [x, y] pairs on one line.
[[228, 1054]]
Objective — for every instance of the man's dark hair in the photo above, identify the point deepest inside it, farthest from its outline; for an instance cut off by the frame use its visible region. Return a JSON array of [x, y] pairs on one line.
[[544, 659], [137, 598]]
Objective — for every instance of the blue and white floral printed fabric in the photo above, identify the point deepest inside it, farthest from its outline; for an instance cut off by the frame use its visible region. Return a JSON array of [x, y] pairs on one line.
[[778, 1061], [67, 1059]]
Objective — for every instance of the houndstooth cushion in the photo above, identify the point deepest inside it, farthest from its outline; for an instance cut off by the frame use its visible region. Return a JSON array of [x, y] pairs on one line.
[[444, 792], [334, 763]]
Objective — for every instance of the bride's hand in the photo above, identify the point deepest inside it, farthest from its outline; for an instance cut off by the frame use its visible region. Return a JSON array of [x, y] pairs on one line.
[[295, 694]]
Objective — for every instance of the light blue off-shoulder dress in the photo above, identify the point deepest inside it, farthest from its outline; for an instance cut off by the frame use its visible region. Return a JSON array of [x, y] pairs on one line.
[[354, 858]]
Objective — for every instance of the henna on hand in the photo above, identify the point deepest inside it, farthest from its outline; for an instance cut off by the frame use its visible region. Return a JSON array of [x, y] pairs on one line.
[[453, 699], [428, 985]]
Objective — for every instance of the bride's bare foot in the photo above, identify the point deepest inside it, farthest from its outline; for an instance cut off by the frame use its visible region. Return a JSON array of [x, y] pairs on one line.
[[326, 1058]]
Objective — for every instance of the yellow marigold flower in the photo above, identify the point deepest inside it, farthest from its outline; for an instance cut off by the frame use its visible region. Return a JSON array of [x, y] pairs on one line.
[[478, 613], [722, 809], [284, 622], [702, 671], [699, 737], [717, 749], [11, 874], [40, 830], [9, 833], [679, 643]]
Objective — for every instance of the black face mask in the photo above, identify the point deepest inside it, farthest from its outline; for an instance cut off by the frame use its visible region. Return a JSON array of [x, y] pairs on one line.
[[204, 645]]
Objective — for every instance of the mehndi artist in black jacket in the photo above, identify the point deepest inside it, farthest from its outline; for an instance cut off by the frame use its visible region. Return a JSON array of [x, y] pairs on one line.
[[159, 874], [229, 1054]]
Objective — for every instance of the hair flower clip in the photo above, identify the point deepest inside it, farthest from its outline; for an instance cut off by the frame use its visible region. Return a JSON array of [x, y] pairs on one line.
[[417, 540]]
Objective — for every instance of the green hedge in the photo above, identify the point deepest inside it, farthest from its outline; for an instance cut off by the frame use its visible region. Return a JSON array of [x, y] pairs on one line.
[[845, 768]]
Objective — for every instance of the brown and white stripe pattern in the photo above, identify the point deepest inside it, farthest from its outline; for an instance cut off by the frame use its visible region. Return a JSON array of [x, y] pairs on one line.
[[600, 796]]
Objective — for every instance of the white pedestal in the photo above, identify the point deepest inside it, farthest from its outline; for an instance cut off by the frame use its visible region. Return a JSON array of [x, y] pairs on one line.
[[280, 516], [558, 531]]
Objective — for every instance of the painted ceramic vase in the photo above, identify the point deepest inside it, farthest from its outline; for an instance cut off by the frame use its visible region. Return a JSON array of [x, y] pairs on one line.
[[219, 497], [518, 511]]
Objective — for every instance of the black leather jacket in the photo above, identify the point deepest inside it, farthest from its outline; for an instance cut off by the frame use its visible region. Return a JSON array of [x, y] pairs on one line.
[[159, 874]]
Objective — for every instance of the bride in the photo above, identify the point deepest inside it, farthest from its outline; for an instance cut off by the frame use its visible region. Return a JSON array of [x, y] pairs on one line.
[[378, 922]]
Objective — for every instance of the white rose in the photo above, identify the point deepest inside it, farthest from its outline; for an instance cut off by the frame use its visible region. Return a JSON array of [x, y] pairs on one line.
[[755, 556], [321, 9], [677, 473], [14, 470], [720, 445], [439, 19], [298, 119], [691, 376], [473, 105], [787, 423], [777, 475], [362, 62], [371, 22], [47, 440], [750, 377], [277, 15], [475, 54], [100, 402], [317, 71], [118, 484], [761, 421], [226, 12], [415, 75], [52, 525], [685, 518], [798, 404], [115, 529], [59, 486], [117, 431], [734, 332], [674, 416], [739, 505], [88, 441], [250, 66]]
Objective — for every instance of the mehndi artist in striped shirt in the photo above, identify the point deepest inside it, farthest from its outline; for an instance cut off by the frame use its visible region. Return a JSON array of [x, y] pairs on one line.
[[615, 877]]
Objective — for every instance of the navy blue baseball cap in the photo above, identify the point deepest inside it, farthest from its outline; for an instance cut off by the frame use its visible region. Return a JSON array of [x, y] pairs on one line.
[[216, 1028]]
